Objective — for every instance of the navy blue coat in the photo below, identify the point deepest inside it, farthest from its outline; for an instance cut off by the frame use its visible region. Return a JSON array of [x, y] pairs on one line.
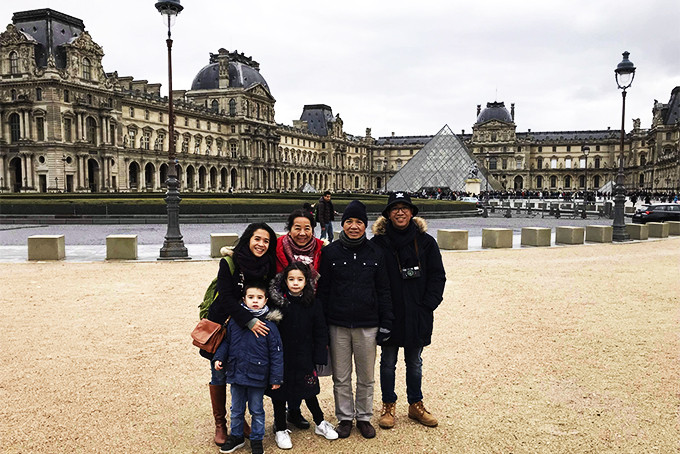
[[252, 361]]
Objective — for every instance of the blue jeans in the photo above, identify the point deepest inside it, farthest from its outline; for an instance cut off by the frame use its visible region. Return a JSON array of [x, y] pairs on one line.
[[414, 373], [254, 397], [328, 232], [217, 377]]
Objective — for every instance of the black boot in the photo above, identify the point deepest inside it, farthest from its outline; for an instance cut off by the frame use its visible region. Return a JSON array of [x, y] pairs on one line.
[[295, 418]]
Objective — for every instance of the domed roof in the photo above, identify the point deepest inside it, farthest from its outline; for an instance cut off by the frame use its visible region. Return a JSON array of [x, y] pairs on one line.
[[494, 111], [243, 73]]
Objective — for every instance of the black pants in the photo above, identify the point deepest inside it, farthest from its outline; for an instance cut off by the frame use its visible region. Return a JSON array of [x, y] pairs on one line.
[[294, 405]]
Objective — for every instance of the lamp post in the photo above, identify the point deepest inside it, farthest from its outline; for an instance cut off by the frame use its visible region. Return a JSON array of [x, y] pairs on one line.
[[586, 151], [385, 169], [63, 159], [173, 246], [625, 73]]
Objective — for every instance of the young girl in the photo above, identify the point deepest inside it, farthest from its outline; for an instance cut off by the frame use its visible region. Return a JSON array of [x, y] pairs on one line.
[[305, 340]]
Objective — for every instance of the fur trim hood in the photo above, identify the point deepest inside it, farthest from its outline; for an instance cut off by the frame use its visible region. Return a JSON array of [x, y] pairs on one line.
[[274, 315], [380, 225]]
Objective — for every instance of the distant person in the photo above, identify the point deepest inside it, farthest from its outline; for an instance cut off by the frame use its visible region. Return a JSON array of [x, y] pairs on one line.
[[305, 344], [355, 294], [251, 364], [325, 214], [253, 258], [417, 277]]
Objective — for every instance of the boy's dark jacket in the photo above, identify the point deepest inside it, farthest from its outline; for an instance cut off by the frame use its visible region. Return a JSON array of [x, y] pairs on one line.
[[305, 338], [249, 360], [354, 287], [413, 300]]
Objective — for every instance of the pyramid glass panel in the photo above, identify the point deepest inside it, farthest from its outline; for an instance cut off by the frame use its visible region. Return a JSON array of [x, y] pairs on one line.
[[444, 162]]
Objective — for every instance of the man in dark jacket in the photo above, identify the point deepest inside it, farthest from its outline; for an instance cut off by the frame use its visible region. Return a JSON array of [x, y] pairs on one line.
[[417, 278], [355, 294], [325, 214]]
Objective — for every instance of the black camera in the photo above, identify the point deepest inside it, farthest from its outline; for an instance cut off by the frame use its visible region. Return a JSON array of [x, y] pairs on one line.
[[410, 273]]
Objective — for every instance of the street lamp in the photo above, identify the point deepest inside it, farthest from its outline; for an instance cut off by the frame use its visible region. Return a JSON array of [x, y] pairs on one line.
[[625, 73], [586, 151], [64, 159], [173, 246]]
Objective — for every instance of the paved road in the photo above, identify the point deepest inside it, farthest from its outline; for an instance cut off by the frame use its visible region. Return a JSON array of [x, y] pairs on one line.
[[153, 234]]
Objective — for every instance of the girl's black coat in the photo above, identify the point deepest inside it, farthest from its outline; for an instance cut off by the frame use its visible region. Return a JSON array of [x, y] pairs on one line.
[[413, 300], [305, 343]]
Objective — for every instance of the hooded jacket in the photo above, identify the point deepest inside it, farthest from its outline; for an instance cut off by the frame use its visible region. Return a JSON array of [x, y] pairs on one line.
[[305, 339], [249, 360], [413, 300]]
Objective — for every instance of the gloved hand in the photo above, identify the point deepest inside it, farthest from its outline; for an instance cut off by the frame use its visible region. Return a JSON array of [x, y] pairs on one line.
[[383, 335]]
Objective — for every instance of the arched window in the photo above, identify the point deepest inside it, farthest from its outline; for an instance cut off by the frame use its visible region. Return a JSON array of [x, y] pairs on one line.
[[91, 130], [643, 159], [567, 181], [87, 69], [539, 181], [553, 181], [232, 107], [214, 105], [492, 164], [14, 127], [539, 163], [13, 63]]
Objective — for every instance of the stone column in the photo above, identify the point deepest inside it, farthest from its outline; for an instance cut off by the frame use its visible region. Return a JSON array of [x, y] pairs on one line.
[[4, 182]]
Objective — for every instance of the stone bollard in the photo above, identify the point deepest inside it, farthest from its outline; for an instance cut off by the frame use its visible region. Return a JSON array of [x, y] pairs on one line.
[[599, 233], [220, 240], [452, 239], [496, 238], [121, 247], [658, 229], [673, 227], [637, 231], [536, 236], [46, 247], [569, 235]]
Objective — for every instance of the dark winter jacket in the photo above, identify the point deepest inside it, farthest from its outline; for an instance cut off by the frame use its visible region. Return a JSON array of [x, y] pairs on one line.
[[305, 342], [249, 360], [353, 286], [325, 212], [413, 300]]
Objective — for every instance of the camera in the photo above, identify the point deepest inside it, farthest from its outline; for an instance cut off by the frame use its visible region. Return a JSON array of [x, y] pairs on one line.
[[410, 273]]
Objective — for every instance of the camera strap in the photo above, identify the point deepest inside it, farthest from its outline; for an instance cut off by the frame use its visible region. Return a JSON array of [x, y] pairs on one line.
[[396, 253]]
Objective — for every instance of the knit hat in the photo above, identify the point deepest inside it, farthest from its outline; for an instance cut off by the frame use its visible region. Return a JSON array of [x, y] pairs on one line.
[[399, 197], [355, 209]]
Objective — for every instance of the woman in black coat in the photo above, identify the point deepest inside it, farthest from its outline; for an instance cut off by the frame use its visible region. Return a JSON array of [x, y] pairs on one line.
[[253, 258]]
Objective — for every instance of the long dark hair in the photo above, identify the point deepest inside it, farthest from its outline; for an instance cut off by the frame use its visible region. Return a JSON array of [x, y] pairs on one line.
[[242, 250], [308, 290], [300, 213]]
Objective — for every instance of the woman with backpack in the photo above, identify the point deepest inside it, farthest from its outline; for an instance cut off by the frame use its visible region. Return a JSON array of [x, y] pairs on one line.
[[253, 258]]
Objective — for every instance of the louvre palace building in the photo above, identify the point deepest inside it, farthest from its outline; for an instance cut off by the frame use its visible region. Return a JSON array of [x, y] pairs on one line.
[[67, 125]]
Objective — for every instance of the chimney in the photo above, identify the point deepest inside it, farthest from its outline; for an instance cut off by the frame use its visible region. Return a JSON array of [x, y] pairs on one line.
[[479, 109], [529, 129], [512, 111], [368, 132]]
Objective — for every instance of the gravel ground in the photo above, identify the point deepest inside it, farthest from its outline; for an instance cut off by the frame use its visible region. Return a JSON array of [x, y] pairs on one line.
[[555, 350]]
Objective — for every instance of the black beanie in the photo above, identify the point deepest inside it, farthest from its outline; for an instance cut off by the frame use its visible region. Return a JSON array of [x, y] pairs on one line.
[[355, 209]]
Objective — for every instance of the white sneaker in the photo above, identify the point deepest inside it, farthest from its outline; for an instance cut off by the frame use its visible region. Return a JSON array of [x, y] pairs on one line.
[[283, 439], [325, 429]]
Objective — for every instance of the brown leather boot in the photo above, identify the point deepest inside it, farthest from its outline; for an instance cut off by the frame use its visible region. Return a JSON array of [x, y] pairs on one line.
[[418, 412], [386, 420], [218, 398]]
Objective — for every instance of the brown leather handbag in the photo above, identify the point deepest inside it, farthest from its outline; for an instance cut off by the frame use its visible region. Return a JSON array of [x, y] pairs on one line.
[[208, 335]]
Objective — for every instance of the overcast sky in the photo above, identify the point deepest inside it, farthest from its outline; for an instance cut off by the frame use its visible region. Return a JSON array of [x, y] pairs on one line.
[[404, 66]]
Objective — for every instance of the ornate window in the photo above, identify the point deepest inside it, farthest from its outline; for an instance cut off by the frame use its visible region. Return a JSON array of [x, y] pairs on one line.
[[232, 148], [40, 128], [67, 130], [539, 163], [67, 96], [553, 181], [38, 94], [13, 63], [146, 139], [553, 163], [567, 163], [492, 164], [597, 163], [14, 127], [87, 69], [214, 105], [91, 130]]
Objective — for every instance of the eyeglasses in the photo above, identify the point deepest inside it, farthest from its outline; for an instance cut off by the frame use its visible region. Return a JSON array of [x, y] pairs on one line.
[[403, 209]]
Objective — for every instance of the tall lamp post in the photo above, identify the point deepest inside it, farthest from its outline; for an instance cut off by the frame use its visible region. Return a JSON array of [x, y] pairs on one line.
[[173, 246], [385, 169], [63, 160], [625, 73], [586, 151]]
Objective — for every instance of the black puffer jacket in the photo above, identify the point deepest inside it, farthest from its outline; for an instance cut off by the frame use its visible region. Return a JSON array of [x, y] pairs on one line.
[[353, 287], [413, 300], [305, 342]]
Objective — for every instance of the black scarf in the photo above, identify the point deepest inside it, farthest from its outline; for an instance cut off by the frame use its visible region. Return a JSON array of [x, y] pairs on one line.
[[349, 242], [400, 239], [251, 266]]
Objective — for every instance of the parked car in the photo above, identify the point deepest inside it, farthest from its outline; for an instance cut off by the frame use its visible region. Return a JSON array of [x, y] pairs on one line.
[[658, 212]]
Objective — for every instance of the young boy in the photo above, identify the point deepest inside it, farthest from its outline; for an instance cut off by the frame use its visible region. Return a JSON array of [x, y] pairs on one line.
[[252, 363]]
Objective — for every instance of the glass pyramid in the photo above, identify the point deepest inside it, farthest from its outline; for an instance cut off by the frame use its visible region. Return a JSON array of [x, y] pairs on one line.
[[444, 162]]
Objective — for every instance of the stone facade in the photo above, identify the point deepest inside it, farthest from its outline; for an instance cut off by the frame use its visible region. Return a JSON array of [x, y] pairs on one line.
[[67, 125]]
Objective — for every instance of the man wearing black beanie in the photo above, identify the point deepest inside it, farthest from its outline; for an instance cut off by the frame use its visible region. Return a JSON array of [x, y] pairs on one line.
[[354, 290]]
